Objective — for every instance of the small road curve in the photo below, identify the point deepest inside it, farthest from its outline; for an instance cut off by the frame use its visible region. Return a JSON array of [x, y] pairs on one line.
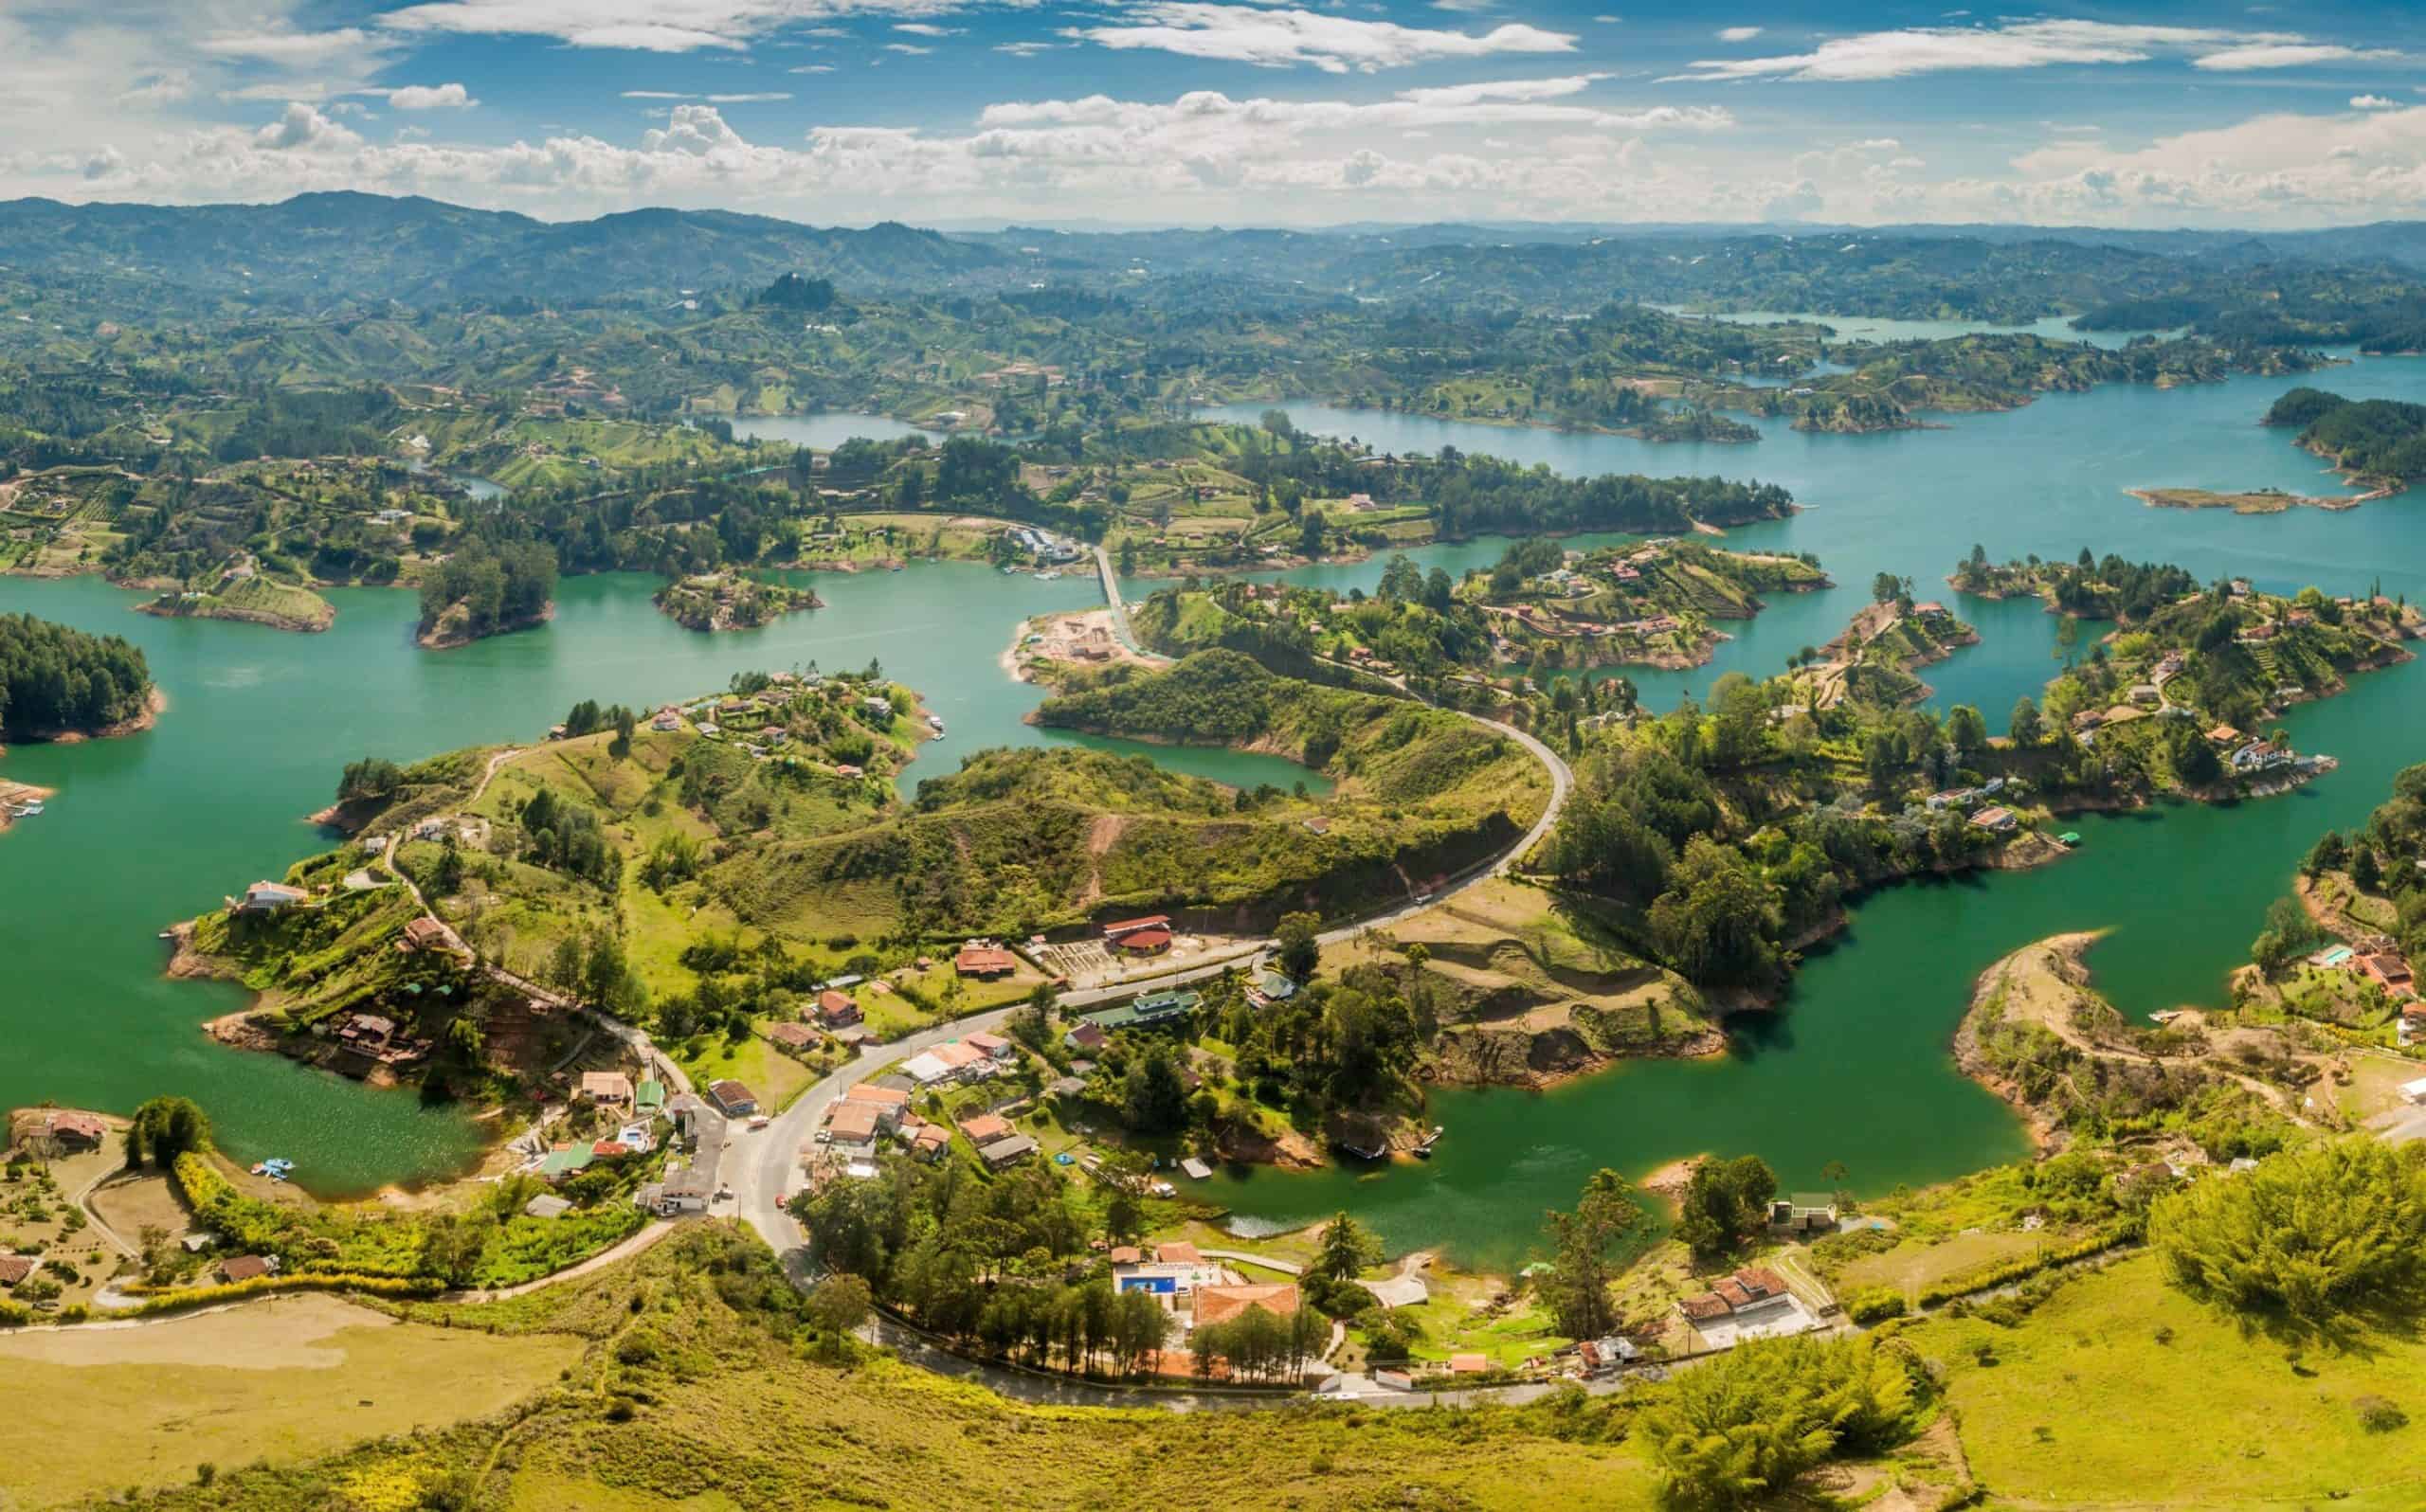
[[646, 1239]]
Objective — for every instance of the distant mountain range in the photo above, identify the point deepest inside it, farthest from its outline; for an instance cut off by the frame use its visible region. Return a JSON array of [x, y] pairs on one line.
[[320, 249]]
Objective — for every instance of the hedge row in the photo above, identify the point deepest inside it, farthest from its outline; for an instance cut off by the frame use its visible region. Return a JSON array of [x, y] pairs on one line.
[[2006, 1272], [178, 1298]]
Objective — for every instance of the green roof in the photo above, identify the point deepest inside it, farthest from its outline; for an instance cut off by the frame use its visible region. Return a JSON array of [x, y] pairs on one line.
[[560, 1162], [649, 1094]]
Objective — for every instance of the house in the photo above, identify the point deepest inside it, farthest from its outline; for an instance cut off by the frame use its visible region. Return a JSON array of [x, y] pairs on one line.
[[877, 707], [1177, 1252], [1998, 820], [1269, 988], [985, 1128], [1220, 1305], [1600, 1356], [1469, 1364], [649, 1098], [794, 1036], [248, 1268], [1003, 1153], [984, 962], [2262, 756], [565, 1161], [269, 897], [853, 1125], [368, 1032], [1067, 1087], [607, 1089], [72, 1130], [666, 721], [2146, 693], [425, 933], [931, 1141], [835, 1010], [1086, 1037], [891, 1102], [1153, 1008], [2388, 971], [2413, 1024], [15, 1268], [993, 1045], [2224, 736], [1124, 927], [733, 1099], [1753, 1302], [928, 1068], [1800, 1212]]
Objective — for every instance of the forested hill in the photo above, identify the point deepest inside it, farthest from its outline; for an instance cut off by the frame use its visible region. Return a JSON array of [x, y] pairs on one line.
[[55, 681], [369, 247], [2372, 438]]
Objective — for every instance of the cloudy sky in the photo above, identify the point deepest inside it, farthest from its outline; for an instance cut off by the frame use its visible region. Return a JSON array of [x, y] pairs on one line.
[[1204, 111]]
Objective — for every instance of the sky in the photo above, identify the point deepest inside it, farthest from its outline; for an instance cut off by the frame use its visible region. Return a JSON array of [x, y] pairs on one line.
[[1210, 113]]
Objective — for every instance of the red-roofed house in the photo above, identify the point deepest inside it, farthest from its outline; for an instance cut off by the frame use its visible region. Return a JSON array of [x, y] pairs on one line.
[[835, 1010], [1218, 1305], [1143, 942], [985, 1128], [1177, 1252], [1152, 921], [984, 962]]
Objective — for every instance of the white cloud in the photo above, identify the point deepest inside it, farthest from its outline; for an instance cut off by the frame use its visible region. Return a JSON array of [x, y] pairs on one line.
[[2373, 102], [1503, 89], [160, 86], [302, 129], [292, 49], [696, 131], [649, 26], [423, 97], [654, 93], [761, 97], [1867, 57], [1023, 49], [912, 48], [1280, 38], [2284, 55], [926, 28], [812, 68], [1738, 33]]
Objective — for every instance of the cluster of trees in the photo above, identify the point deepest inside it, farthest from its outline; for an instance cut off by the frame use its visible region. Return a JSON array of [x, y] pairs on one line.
[[2087, 588], [983, 1261], [500, 585], [1742, 1428], [2310, 1238], [1726, 1203], [2381, 438], [563, 835], [56, 679]]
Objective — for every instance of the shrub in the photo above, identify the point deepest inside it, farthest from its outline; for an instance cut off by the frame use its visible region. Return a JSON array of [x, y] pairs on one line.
[[2310, 1233], [2378, 1415], [1874, 1304]]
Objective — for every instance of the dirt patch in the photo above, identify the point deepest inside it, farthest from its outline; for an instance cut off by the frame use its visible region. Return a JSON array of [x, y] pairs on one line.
[[284, 1333], [129, 1207]]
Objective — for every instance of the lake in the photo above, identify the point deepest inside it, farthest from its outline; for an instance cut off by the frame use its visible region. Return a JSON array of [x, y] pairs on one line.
[[1853, 1068]]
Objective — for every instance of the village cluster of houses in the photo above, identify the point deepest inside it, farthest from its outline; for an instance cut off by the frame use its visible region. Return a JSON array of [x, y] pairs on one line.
[[873, 1112]]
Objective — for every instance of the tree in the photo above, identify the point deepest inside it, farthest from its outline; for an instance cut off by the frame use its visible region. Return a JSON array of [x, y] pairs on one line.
[[164, 1128], [1299, 948], [1889, 589], [1967, 730], [1153, 1099], [1584, 1242], [1725, 1203], [2366, 874], [1719, 918], [839, 1305], [1348, 1247], [2024, 725]]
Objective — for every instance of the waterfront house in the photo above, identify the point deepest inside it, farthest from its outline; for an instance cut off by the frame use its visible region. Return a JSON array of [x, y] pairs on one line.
[[733, 1099], [269, 897], [1996, 820], [1803, 1212], [71, 1129], [2261, 756]]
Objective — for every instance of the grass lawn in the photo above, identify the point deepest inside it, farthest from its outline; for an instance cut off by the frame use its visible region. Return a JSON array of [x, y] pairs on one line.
[[2375, 1084], [2084, 1408], [757, 1064], [98, 1410], [1918, 1263]]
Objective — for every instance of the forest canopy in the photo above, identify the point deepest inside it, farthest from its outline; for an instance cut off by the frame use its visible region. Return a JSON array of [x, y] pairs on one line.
[[55, 681]]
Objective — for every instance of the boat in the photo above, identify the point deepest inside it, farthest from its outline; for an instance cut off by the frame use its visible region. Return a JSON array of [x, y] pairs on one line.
[[1423, 1150], [2069, 840]]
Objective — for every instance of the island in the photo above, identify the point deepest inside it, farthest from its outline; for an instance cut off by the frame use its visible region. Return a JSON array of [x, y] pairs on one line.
[[2178, 696], [61, 684], [485, 590], [727, 601], [2378, 443], [2255, 502], [1872, 660]]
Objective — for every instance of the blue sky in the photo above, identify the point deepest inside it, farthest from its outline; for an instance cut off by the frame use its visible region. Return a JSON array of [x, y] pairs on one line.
[[1204, 112]]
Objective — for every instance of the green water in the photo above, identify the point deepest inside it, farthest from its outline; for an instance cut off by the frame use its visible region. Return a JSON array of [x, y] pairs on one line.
[[160, 826], [1853, 1068]]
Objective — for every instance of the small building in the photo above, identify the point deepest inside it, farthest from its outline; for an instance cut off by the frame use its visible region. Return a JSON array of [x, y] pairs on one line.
[[1123, 926], [607, 1089], [1150, 1008], [1143, 943], [890, 1103], [1067, 1087], [2389, 971], [425, 933], [1803, 1212], [2224, 737], [2145, 695], [569, 1160], [1003, 1153], [242, 1268], [269, 897], [1998, 820], [993, 1045], [836, 1009], [1089, 1038], [1177, 1252], [72, 1130], [15, 1268], [733, 1099], [1469, 1364], [547, 1205], [649, 1097], [931, 1141], [984, 962]]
